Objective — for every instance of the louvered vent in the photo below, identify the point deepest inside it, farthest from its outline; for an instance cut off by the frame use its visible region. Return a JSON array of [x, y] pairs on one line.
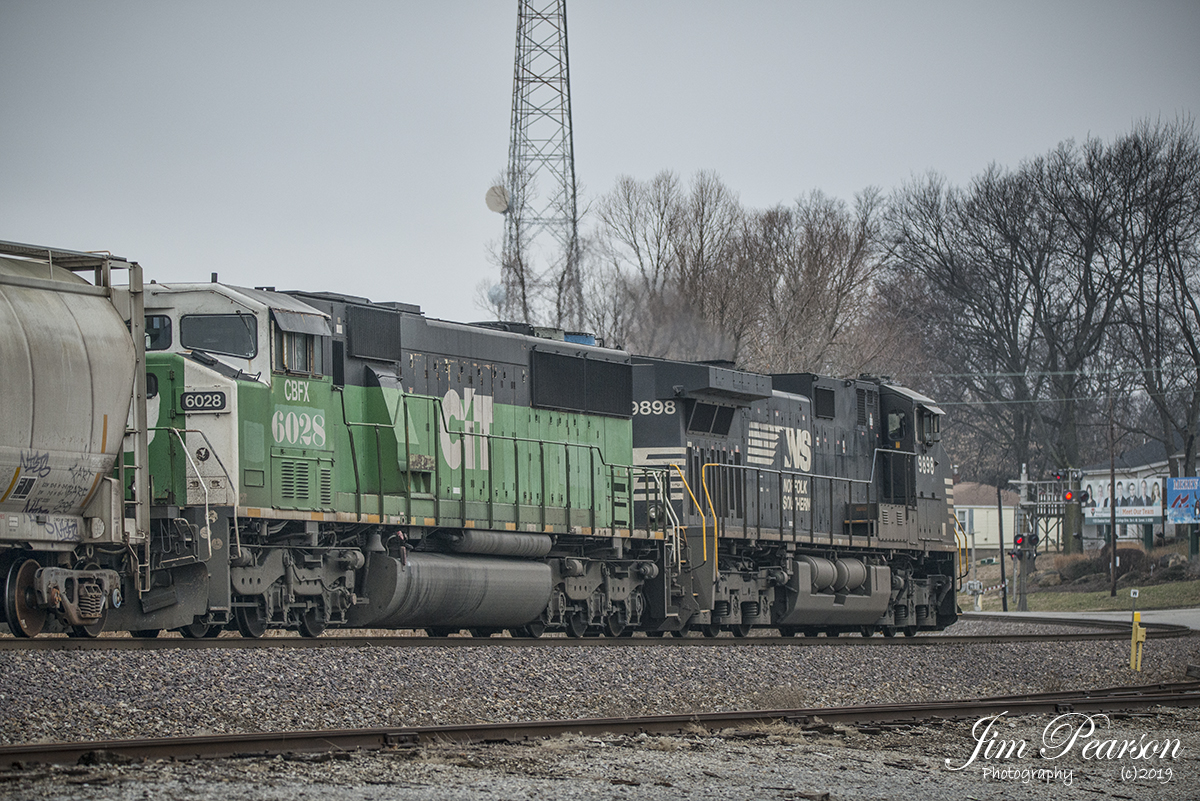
[[293, 481], [326, 487]]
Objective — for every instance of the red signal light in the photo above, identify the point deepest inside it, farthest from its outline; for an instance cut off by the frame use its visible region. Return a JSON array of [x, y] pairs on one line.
[[1069, 496]]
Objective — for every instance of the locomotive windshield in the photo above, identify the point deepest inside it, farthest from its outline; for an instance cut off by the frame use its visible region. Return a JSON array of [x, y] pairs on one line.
[[229, 334]]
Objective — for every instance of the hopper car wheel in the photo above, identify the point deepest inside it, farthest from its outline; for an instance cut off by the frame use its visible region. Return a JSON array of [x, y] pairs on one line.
[[811, 632], [483, 633], [577, 624], [833, 633], [252, 620], [741, 629], [867, 631], [910, 631], [313, 622], [533, 630], [889, 631], [25, 619], [90, 630], [197, 630], [147, 634], [710, 629]]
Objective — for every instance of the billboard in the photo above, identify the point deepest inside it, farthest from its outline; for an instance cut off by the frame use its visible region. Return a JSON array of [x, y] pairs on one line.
[[1183, 500], [1136, 500]]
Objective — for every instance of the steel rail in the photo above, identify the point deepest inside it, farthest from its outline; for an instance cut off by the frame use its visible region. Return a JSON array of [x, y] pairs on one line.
[[118, 643], [290, 742]]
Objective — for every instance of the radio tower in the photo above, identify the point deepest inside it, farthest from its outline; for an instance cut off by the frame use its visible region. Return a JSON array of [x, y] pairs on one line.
[[540, 183]]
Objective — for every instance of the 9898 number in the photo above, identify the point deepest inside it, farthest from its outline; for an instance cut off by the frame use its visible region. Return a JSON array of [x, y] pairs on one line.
[[654, 407]]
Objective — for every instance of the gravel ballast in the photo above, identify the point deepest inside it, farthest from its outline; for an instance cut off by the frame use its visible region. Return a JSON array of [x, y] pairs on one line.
[[82, 695]]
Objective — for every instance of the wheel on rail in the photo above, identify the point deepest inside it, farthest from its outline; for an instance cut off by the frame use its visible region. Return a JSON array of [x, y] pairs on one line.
[[90, 630], [867, 631], [811, 632], [313, 622], [889, 631], [910, 631], [615, 624], [656, 634], [483, 632], [198, 629], [533, 630], [789, 631], [710, 629], [679, 633], [440, 631], [146, 634], [252, 620], [741, 629], [24, 617], [577, 624]]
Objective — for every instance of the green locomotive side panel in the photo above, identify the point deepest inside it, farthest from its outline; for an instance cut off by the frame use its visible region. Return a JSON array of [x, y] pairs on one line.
[[455, 461], [287, 450], [168, 467]]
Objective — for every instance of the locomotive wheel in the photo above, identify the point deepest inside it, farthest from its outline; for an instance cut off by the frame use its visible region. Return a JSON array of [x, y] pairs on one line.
[[614, 624], [910, 631], [313, 622], [867, 631], [147, 634], [197, 630], [25, 619], [252, 620], [811, 632], [711, 629], [679, 633], [889, 631], [577, 624], [741, 629]]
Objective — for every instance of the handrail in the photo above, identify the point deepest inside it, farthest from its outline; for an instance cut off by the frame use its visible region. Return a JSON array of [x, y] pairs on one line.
[[711, 508], [236, 532], [699, 508], [960, 538]]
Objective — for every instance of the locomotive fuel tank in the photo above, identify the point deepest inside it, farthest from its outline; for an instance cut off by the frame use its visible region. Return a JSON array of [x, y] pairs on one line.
[[67, 362]]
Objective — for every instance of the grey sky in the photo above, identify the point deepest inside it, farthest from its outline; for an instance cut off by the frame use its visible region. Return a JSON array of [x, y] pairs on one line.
[[348, 145]]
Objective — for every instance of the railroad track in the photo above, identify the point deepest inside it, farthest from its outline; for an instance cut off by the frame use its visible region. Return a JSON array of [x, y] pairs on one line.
[[820, 719], [1095, 630]]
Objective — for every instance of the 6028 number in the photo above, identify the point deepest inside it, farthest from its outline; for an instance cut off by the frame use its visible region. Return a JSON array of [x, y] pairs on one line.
[[290, 428], [202, 401]]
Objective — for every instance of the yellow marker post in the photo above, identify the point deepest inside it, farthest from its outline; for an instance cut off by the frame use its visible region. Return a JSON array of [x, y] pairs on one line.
[[1135, 646]]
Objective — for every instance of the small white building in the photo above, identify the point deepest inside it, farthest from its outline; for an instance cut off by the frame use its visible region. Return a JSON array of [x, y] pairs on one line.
[[976, 509]]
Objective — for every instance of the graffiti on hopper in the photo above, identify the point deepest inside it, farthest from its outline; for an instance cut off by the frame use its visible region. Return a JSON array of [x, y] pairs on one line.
[[63, 529], [46, 490], [35, 463]]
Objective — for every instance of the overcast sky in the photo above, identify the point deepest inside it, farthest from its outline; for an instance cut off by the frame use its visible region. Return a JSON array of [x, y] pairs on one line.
[[348, 145]]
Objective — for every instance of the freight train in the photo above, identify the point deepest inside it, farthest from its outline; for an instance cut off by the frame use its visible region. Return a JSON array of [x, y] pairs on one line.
[[200, 457]]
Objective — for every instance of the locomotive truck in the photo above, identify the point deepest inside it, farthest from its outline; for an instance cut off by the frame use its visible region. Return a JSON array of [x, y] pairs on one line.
[[207, 456]]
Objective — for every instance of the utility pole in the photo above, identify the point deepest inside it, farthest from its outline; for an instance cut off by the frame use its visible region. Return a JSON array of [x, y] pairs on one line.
[[539, 192]]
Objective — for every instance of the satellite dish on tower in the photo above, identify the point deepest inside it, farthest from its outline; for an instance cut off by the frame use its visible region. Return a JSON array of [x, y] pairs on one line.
[[497, 199]]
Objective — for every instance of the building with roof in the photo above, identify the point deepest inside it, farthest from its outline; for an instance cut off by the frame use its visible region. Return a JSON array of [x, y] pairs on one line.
[[977, 511]]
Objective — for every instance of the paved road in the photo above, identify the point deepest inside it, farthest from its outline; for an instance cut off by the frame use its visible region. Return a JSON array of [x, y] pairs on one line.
[[1185, 617]]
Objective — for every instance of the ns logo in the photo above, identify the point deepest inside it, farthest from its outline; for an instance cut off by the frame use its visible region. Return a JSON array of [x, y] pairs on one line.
[[798, 455]]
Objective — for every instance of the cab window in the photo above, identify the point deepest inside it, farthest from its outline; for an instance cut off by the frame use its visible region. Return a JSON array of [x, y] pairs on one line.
[[297, 353], [229, 334], [158, 332], [897, 425]]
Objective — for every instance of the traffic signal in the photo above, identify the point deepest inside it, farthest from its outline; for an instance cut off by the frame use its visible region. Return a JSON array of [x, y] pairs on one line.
[[1069, 496], [1019, 540], [1077, 496], [1033, 540]]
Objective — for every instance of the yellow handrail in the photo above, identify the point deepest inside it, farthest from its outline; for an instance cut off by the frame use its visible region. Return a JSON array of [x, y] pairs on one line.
[[964, 558], [703, 518], [711, 508]]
